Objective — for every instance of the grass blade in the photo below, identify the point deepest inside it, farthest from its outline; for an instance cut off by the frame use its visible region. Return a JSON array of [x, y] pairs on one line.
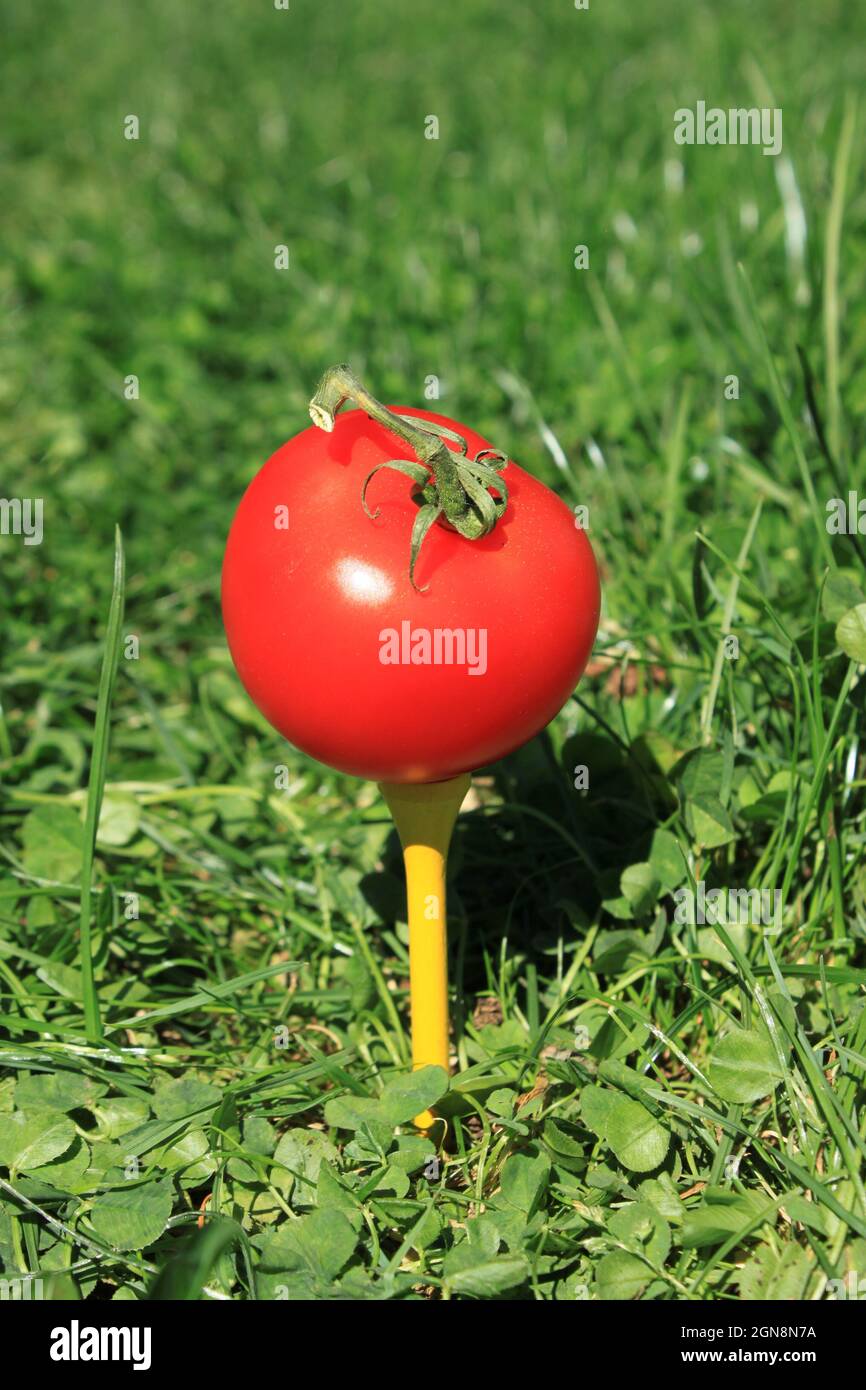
[[96, 786]]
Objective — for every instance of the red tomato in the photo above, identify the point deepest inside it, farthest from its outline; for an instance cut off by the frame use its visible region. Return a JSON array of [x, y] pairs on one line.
[[355, 666]]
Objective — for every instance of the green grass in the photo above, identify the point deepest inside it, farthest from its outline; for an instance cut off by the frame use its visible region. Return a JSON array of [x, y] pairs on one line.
[[210, 1099]]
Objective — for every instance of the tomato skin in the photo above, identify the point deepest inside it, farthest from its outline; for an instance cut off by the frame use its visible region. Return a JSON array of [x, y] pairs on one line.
[[305, 609]]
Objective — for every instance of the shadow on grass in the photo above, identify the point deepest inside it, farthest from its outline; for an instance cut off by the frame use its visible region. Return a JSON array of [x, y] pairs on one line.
[[532, 864]]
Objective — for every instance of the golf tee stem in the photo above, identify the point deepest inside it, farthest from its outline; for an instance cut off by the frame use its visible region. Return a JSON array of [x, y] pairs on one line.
[[424, 815]]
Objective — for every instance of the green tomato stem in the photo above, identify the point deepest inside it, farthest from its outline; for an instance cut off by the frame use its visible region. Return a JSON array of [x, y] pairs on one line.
[[454, 487], [339, 384]]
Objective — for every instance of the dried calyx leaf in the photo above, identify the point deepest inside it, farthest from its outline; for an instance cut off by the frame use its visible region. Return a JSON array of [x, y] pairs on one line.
[[449, 484]]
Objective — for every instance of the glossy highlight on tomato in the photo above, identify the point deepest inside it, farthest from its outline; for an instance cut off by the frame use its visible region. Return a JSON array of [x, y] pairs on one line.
[[316, 596]]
